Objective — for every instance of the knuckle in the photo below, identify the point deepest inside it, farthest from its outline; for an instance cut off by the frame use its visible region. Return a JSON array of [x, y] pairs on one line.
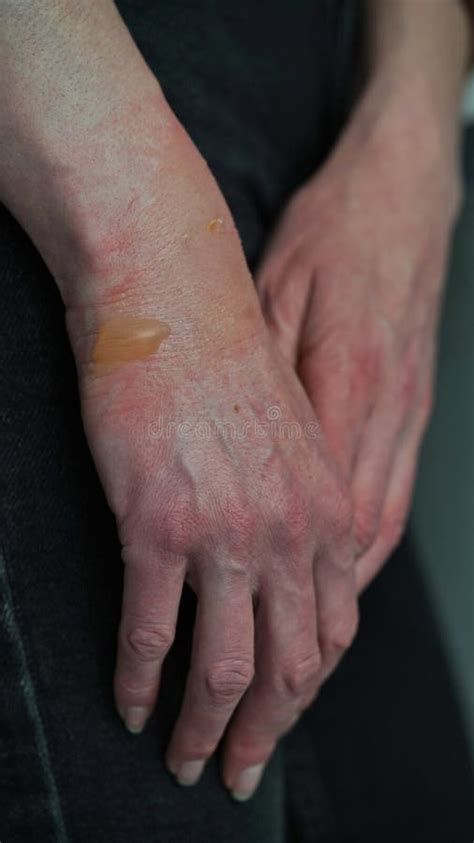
[[199, 747], [226, 681], [300, 678], [148, 642], [190, 741], [134, 688], [366, 523]]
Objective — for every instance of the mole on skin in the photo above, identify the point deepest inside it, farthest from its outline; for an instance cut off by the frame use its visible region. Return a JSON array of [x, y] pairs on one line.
[[128, 338]]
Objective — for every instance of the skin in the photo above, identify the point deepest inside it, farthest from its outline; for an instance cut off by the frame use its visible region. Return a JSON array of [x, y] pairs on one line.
[[351, 284], [136, 233], [167, 330]]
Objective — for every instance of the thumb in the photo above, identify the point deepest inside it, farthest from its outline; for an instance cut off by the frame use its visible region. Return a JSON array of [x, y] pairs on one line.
[[283, 289], [329, 380]]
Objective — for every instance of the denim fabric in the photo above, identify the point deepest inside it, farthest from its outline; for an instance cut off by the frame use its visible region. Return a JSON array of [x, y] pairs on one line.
[[262, 88]]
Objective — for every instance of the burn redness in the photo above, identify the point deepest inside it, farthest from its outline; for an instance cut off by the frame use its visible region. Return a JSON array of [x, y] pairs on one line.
[[128, 338]]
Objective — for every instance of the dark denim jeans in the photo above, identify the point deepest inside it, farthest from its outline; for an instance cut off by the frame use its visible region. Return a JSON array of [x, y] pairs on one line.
[[263, 88]]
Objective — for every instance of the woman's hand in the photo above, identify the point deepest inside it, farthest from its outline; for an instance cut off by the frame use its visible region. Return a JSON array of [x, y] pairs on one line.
[[211, 460], [351, 287], [212, 463]]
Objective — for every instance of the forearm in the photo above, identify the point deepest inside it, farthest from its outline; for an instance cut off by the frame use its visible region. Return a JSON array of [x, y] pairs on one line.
[[48, 49], [422, 43], [75, 93], [417, 58], [109, 186]]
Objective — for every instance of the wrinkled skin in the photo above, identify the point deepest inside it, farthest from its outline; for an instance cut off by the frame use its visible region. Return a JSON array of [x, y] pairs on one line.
[[351, 287]]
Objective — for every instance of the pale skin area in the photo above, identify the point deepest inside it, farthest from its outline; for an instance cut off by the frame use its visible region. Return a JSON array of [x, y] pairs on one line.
[[165, 323]]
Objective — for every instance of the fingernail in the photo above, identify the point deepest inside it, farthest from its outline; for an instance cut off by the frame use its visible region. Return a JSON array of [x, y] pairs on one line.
[[135, 719], [189, 772], [247, 782]]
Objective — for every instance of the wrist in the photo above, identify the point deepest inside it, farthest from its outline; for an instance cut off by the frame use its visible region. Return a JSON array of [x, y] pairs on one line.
[[133, 226], [163, 247], [423, 46], [399, 113], [188, 326], [396, 128]]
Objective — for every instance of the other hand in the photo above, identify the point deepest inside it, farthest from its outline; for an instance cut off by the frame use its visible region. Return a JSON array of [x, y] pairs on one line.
[[351, 288]]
